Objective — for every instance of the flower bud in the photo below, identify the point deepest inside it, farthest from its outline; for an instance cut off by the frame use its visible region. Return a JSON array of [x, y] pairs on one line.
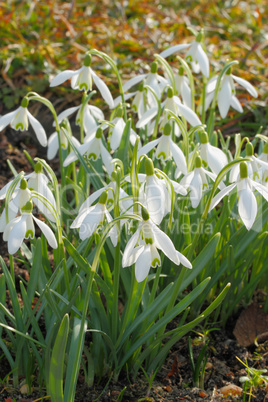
[[243, 170], [149, 167]]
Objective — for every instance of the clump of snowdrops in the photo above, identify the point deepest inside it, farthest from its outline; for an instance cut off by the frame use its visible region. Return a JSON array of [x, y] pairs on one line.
[[152, 219]]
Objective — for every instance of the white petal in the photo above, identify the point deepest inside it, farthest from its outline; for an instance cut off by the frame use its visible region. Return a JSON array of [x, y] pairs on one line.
[[16, 235], [163, 242], [189, 115], [247, 207], [148, 147], [91, 221], [183, 260], [6, 119], [143, 264], [127, 256], [202, 59], [66, 113], [260, 188], [82, 149], [133, 81], [236, 104], [148, 116], [62, 77], [220, 195], [38, 129], [117, 134], [244, 83], [196, 189], [178, 188], [52, 146], [216, 158], [211, 85], [106, 159], [173, 49], [178, 157], [104, 90], [224, 97], [49, 235]]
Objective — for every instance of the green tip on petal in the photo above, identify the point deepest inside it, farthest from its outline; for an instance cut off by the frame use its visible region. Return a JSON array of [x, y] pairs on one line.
[[154, 67], [23, 184], [198, 162], [243, 170], [99, 133], [87, 61], [27, 208], [149, 167], [265, 148], [203, 137], [38, 167], [167, 129], [249, 149], [119, 112], [170, 92], [24, 102], [103, 198], [144, 214]]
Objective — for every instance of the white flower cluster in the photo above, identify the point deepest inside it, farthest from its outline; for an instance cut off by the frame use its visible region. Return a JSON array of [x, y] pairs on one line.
[[165, 109]]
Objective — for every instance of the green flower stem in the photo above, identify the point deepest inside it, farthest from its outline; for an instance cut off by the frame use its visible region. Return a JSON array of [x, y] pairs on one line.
[[203, 116], [117, 261], [167, 68], [211, 118]]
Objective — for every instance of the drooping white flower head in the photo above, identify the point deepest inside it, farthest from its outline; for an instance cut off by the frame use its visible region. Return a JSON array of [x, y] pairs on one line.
[[91, 218], [196, 182], [116, 133], [226, 97], [22, 227], [263, 157], [215, 158], [94, 149], [166, 149], [142, 247], [82, 79], [196, 56], [18, 119], [255, 166], [153, 80], [183, 88], [154, 194], [53, 143], [247, 204]]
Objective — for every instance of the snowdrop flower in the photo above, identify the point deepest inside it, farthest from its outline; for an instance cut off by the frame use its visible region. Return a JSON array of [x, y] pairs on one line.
[[154, 194], [53, 143], [196, 56], [213, 156], [82, 79], [116, 132], [166, 149], [94, 148], [153, 80], [182, 87], [124, 199], [22, 227], [263, 157], [149, 239], [196, 181], [173, 104], [20, 197], [91, 116], [247, 204], [255, 166], [226, 96], [91, 218], [38, 182], [18, 119]]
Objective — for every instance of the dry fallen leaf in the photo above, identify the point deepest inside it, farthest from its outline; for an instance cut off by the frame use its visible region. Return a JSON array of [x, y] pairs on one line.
[[251, 324]]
